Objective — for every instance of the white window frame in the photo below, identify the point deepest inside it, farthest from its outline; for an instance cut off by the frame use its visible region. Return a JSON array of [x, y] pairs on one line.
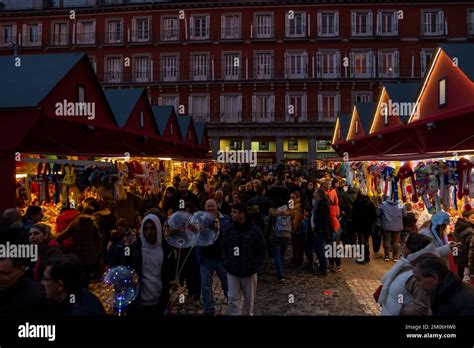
[[370, 63], [202, 115], [356, 29], [291, 24], [115, 76], [262, 64], [142, 73], [26, 35], [304, 107], [93, 61], [423, 59], [382, 29], [268, 114], [12, 35], [235, 115], [169, 73], [205, 18], [230, 71], [162, 100], [137, 32], [235, 30], [63, 38], [335, 27], [265, 28], [111, 36], [394, 56], [86, 38], [470, 21], [366, 97], [170, 32], [426, 22], [296, 64], [322, 98], [335, 57], [199, 66]]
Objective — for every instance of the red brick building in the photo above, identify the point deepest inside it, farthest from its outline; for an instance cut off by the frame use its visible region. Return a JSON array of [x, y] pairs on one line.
[[270, 76]]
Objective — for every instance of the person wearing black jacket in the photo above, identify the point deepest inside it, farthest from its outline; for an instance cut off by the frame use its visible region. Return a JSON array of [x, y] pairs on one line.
[[322, 229], [364, 215], [450, 296], [155, 264], [243, 251], [463, 233], [180, 198]]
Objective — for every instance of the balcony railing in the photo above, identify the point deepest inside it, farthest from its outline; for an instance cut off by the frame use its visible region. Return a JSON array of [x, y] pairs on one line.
[[296, 32], [432, 29], [366, 30], [113, 37], [170, 35], [200, 117], [85, 38], [31, 41], [60, 40], [470, 28], [262, 32], [141, 36], [198, 34], [231, 117], [231, 33], [327, 31], [327, 116], [7, 41], [263, 117], [296, 117], [387, 30], [127, 77]]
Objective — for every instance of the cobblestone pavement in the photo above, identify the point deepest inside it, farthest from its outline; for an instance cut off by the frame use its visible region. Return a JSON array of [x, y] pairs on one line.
[[346, 293]]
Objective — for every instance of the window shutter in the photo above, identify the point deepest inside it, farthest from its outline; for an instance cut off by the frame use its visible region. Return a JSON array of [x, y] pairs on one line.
[[40, 33], [239, 108], [319, 24], [191, 27], [352, 65], [353, 21], [24, 34], [208, 27], [223, 27], [395, 22], [380, 70], [287, 65], [304, 107], [303, 23], [254, 108], [371, 64], [287, 24], [336, 23], [370, 24], [396, 63], [272, 108], [379, 23], [14, 34], [287, 108], [207, 109], [93, 31], [305, 64], [337, 104], [443, 27], [320, 107], [423, 62], [221, 108], [318, 64], [337, 63], [309, 25], [190, 105], [134, 29]]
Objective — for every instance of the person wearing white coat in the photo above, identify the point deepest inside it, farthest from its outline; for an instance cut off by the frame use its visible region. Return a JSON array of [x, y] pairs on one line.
[[400, 295]]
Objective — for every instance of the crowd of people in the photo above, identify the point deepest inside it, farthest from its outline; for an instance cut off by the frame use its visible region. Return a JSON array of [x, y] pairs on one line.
[[260, 214]]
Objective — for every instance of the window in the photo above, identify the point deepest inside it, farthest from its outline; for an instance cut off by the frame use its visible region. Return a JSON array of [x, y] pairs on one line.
[[263, 26], [263, 108], [328, 64], [442, 92], [296, 26], [361, 23], [361, 97], [60, 34], [263, 65], [388, 65], [32, 34], [169, 100], [329, 106], [198, 107], [93, 63], [141, 69], [170, 29], [7, 34], [357, 127], [236, 144], [113, 69], [263, 146], [432, 22], [169, 68], [230, 26], [425, 58], [200, 67], [81, 98], [85, 33], [362, 64], [292, 144], [387, 23], [470, 22], [231, 108], [296, 64], [328, 24], [142, 119], [295, 107], [231, 66], [140, 29], [199, 27], [114, 32]]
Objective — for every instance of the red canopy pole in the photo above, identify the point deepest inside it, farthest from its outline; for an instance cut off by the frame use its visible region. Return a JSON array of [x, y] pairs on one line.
[[7, 181]]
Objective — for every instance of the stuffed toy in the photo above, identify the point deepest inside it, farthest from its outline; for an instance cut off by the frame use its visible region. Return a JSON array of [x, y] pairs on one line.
[[406, 172], [453, 181], [464, 170]]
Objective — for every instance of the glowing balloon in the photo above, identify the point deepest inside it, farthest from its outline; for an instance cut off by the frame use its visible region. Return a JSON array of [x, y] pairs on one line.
[[203, 224], [176, 233], [120, 287]]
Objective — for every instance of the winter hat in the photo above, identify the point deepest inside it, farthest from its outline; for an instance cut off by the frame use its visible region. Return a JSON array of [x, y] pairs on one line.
[[439, 218]]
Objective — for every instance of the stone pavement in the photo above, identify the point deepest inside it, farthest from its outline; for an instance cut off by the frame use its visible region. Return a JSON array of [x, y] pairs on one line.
[[346, 293]]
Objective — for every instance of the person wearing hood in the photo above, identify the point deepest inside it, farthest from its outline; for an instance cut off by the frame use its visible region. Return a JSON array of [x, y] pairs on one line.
[[154, 264], [450, 296], [436, 231], [86, 241], [391, 213], [243, 251], [400, 294], [210, 260], [463, 230]]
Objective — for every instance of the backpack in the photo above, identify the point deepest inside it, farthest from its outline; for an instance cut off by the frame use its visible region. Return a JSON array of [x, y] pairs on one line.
[[283, 227]]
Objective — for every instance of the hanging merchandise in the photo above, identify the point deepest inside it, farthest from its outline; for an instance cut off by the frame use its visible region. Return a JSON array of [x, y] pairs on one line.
[[406, 172], [464, 169]]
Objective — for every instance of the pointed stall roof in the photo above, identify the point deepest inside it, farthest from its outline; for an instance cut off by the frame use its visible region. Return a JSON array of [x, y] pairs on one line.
[[122, 102], [162, 115], [200, 128], [184, 122], [344, 123], [464, 54], [366, 113], [35, 77], [405, 92]]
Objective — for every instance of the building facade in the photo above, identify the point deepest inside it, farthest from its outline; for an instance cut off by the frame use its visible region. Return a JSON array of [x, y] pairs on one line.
[[269, 76]]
